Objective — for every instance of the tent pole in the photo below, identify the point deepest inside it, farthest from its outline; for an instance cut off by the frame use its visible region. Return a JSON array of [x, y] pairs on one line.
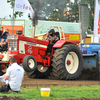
[[13, 17]]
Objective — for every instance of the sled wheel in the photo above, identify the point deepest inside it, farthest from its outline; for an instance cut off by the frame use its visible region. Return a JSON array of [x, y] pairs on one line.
[[3, 68], [67, 62], [29, 63], [41, 72], [30, 74]]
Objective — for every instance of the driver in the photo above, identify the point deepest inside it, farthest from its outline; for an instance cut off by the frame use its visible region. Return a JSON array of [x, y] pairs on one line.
[[51, 39], [50, 36]]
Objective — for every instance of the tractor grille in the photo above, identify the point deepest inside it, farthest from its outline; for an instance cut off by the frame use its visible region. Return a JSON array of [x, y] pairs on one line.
[[12, 45]]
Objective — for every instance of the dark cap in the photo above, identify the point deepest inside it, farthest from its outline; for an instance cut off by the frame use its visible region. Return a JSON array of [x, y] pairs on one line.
[[52, 30]]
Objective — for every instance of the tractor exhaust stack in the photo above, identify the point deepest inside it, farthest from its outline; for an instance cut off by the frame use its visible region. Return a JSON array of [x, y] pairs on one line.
[[34, 22]]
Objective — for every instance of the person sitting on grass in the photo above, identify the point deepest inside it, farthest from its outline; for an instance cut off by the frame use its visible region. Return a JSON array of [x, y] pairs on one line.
[[14, 76]]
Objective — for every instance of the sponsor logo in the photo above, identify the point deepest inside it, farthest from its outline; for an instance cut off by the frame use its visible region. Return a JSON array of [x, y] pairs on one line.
[[23, 6], [30, 50], [18, 69], [99, 23]]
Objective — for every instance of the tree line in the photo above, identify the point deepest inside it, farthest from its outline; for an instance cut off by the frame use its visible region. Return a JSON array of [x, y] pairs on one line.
[[58, 10]]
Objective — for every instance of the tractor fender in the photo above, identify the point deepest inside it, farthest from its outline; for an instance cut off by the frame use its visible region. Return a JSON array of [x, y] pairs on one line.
[[60, 43]]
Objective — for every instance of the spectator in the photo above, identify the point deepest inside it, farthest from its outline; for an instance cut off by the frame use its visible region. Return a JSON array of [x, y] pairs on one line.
[[14, 76], [2, 42], [3, 45], [5, 34], [1, 31]]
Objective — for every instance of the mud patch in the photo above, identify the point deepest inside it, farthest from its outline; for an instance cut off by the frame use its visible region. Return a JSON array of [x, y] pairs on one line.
[[83, 99], [86, 74], [10, 98], [16, 98], [89, 74]]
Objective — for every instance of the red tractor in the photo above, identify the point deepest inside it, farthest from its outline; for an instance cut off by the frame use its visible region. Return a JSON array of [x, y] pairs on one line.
[[65, 60]]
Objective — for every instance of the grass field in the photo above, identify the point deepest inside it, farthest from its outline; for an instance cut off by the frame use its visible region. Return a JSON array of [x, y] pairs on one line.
[[59, 92]]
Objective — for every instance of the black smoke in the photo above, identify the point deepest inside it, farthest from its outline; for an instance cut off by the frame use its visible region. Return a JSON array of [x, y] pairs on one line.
[[36, 6], [35, 19]]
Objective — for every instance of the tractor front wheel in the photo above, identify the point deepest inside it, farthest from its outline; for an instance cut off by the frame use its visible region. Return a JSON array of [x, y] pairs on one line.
[[29, 63], [33, 70]]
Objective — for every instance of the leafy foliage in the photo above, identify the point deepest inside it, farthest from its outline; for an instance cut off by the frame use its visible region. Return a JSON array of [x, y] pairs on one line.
[[12, 6], [58, 10]]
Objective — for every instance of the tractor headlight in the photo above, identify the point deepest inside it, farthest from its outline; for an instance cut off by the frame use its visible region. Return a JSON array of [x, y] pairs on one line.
[[12, 48], [12, 45], [15, 49], [9, 48]]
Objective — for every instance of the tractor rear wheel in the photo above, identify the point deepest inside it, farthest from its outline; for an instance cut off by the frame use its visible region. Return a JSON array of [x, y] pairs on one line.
[[67, 62]]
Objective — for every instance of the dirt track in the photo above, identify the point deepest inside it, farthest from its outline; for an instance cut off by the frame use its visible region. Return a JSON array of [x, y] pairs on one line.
[[87, 78], [49, 82]]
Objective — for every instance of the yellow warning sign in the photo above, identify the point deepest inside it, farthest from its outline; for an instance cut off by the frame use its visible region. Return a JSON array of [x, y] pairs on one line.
[[73, 37]]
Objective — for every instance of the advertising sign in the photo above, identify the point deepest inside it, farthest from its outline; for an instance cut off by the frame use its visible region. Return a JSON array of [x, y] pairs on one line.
[[97, 18], [16, 28]]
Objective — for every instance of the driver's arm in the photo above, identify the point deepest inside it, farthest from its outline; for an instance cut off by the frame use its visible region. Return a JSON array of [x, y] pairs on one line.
[[47, 36]]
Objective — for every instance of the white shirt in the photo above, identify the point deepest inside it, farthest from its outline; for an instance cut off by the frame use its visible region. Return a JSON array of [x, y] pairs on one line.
[[16, 74]]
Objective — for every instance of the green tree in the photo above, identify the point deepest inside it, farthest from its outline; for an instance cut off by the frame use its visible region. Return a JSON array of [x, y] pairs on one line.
[[58, 10], [45, 8], [73, 11], [92, 6], [74, 8]]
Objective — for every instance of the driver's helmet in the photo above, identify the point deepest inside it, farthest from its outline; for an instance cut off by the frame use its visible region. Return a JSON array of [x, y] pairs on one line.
[[51, 30]]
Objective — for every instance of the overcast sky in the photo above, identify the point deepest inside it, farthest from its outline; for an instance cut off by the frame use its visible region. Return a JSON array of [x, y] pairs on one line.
[[5, 10]]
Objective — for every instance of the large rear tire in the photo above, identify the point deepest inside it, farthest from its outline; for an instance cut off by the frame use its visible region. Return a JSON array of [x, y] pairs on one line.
[[67, 62]]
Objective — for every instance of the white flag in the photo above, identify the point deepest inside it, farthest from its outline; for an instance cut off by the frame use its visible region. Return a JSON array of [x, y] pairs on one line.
[[23, 6], [97, 18]]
